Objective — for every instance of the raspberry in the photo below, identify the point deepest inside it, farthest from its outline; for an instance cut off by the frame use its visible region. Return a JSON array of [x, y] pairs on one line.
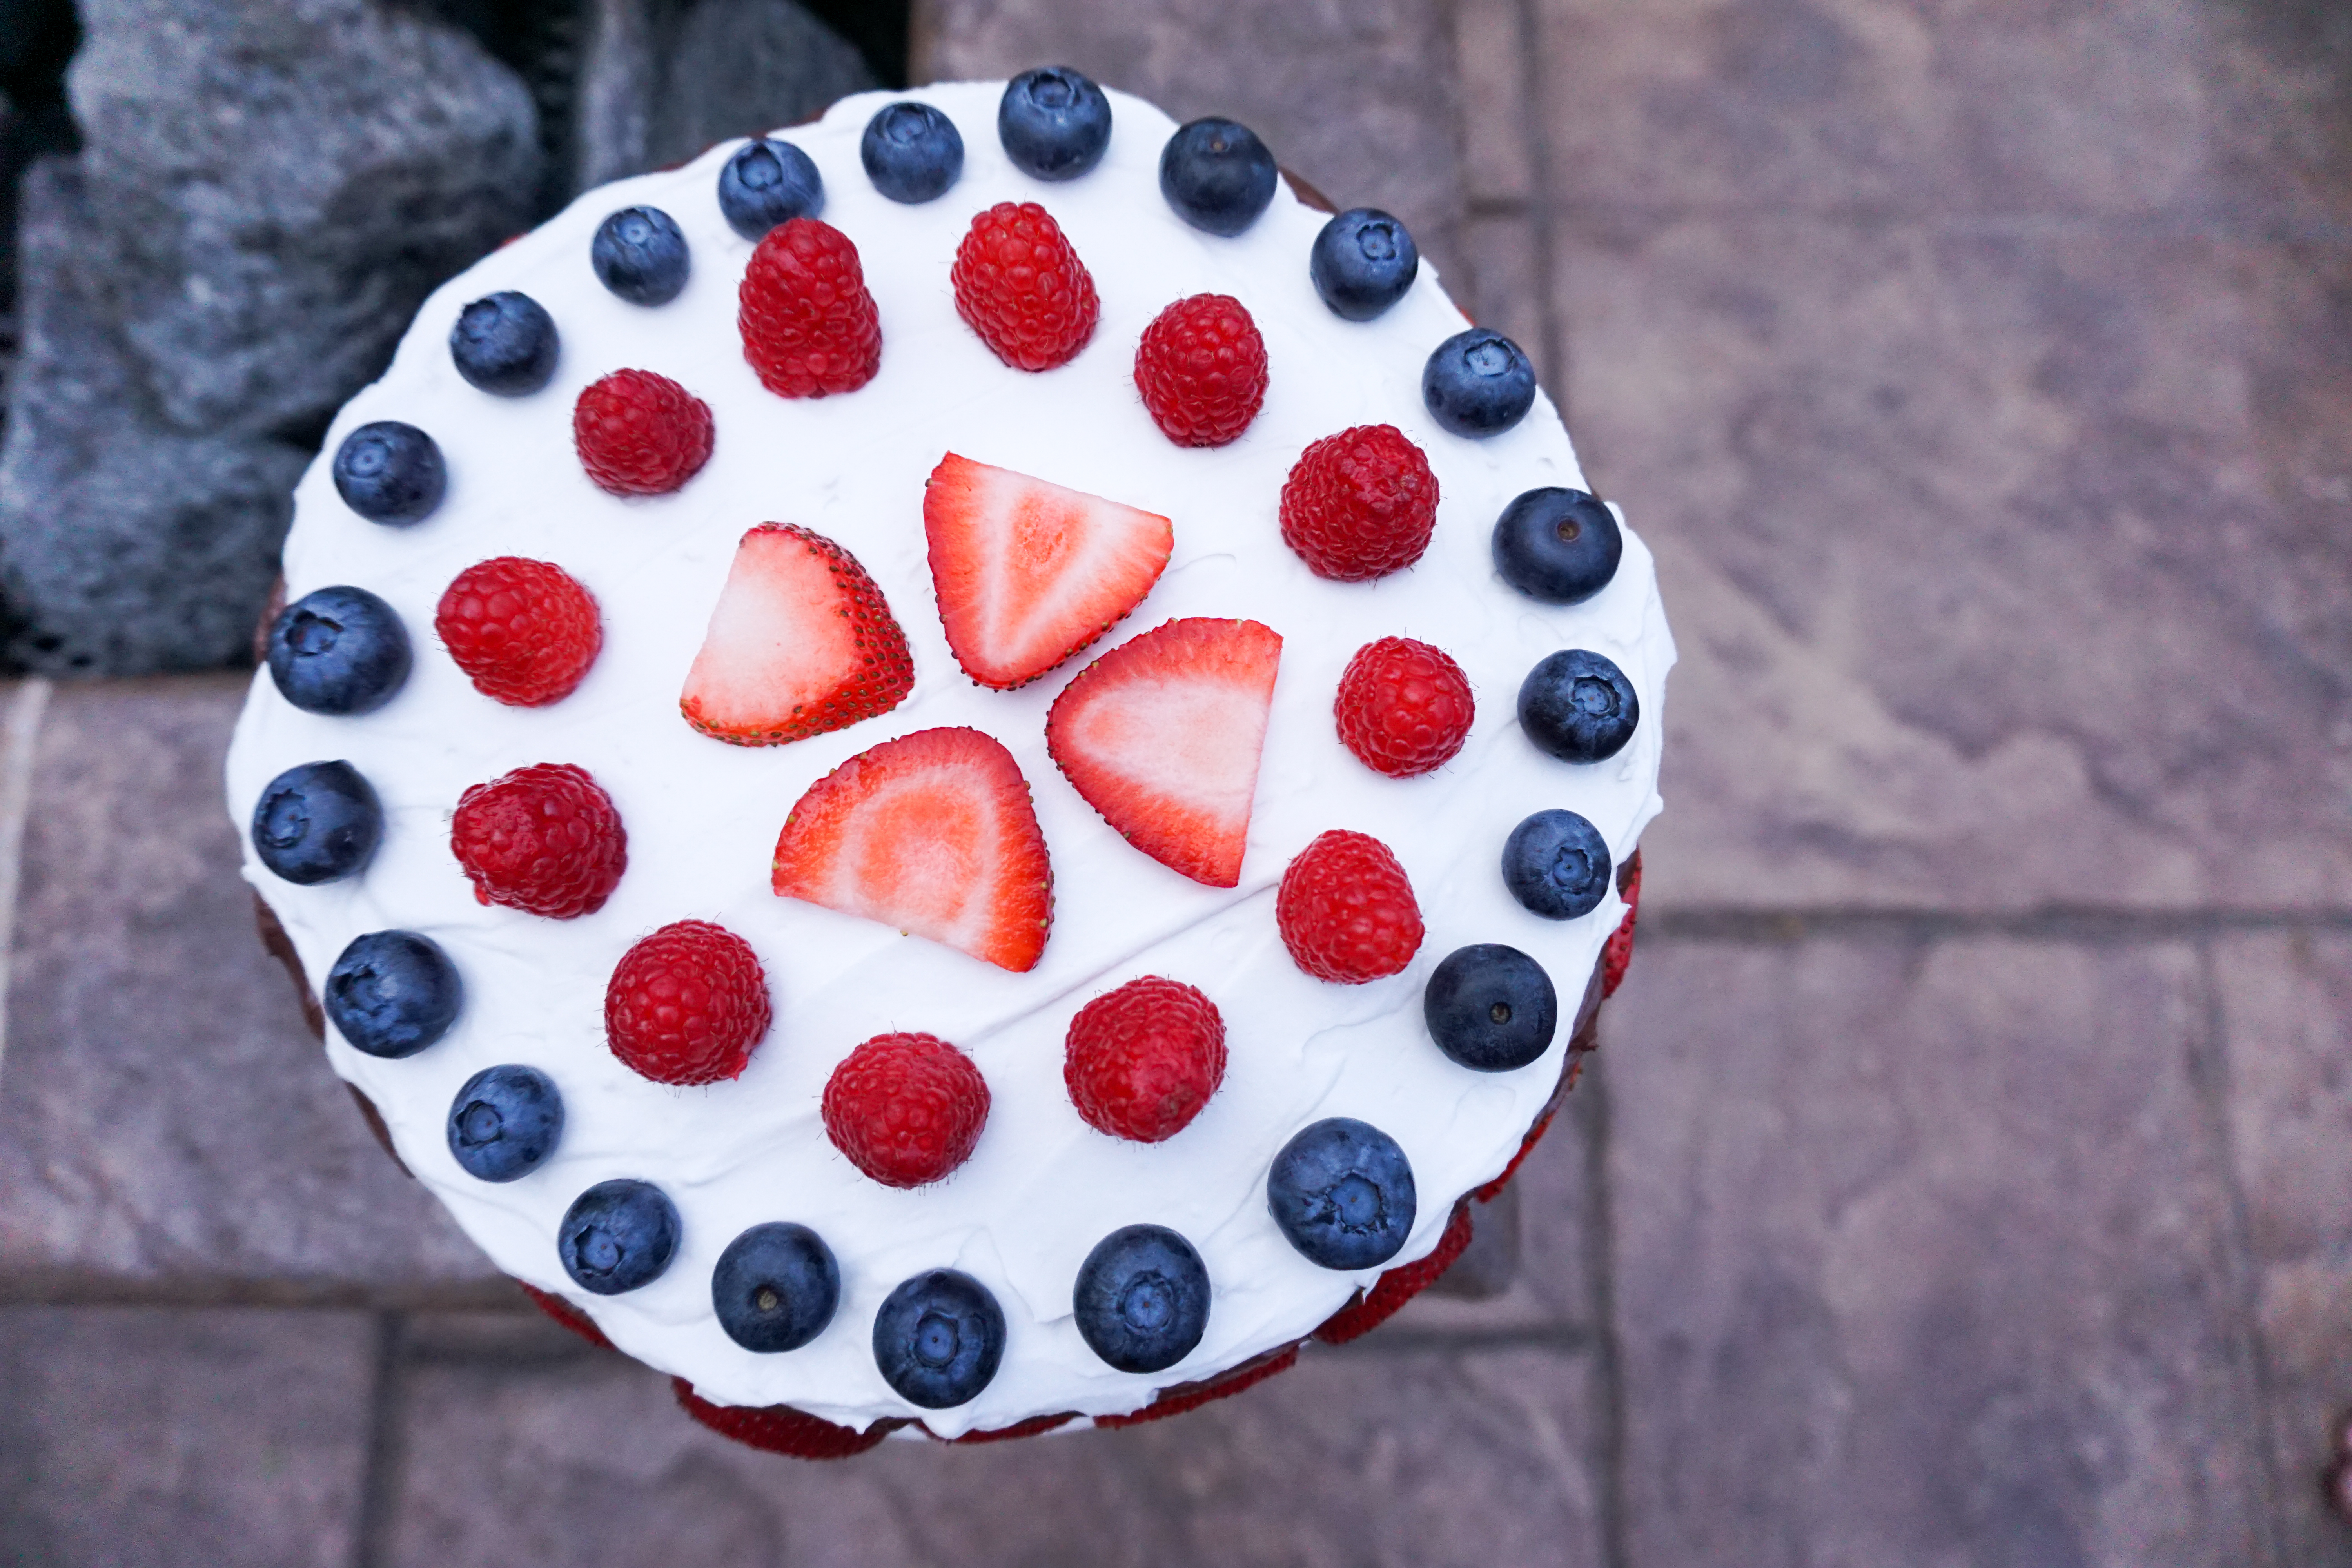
[[1360, 504], [1618, 951], [779, 1429], [906, 1109], [524, 632], [1393, 1290], [1345, 911], [640, 433], [544, 839], [687, 1004], [1403, 707], [808, 324], [1021, 287], [1201, 368], [1144, 1058]]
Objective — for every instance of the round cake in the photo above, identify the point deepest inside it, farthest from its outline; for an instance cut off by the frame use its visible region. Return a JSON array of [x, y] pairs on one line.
[[956, 770]]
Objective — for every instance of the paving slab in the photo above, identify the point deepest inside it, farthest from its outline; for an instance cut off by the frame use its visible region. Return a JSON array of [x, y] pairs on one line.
[[134, 1436]]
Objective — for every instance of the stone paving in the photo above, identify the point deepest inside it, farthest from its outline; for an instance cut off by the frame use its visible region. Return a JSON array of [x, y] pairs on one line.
[[1962, 1181]]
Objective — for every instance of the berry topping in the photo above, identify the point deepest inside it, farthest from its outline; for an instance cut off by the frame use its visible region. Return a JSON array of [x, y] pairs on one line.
[[1397, 1286], [524, 632], [390, 473], [779, 1429], [1027, 574], [505, 344], [768, 182], [1345, 911], [1404, 708], [687, 1004], [316, 822], [640, 254], [392, 993], [1341, 1190], [1362, 262], [1163, 736], [1477, 384], [933, 833], [1560, 546], [1490, 1007], [801, 642], [1217, 175], [544, 839], [939, 1338], [640, 433], [1556, 865], [1022, 289], [1617, 951], [504, 1122], [1360, 504], [775, 1288], [1143, 1299], [1578, 705], [911, 152], [1201, 368], [906, 1109], [618, 1236], [809, 326], [338, 650], [1144, 1058], [1053, 122]]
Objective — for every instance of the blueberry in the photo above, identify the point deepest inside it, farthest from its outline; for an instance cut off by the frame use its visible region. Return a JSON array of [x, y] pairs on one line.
[[938, 1339], [1363, 263], [911, 152], [316, 822], [338, 650], [618, 1236], [392, 993], [1053, 122], [1217, 175], [766, 184], [1341, 1191], [1556, 865], [504, 1122], [1561, 546], [775, 1288], [505, 343], [640, 254], [1579, 707], [1490, 1007], [1143, 1299], [1477, 384], [391, 473]]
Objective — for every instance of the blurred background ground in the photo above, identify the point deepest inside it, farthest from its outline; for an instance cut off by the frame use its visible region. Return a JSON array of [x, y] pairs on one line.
[[1964, 1178]]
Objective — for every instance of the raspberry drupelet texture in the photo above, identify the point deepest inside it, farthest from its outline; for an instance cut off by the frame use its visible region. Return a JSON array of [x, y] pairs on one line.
[[906, 1109], [1020, 285], [1360, 504], [1404, 707], [809, 325], [545, 839], [640, 433], [1142, 1060], [687, 1004], [1200, 367], [524, 632], [1345, 911]]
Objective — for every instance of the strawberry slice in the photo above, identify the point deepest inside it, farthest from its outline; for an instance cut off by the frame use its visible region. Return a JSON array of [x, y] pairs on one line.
[[1028, 572], [1163, 736], [801, 642], [932, 832]]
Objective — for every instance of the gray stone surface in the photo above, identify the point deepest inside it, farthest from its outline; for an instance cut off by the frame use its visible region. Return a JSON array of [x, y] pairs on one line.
[[142, 1438]]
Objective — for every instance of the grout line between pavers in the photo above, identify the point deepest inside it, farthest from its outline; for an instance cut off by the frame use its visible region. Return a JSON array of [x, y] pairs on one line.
[[1541, 212], [1608, 1364], [383, 1469], [2086, 925], [20, 734]]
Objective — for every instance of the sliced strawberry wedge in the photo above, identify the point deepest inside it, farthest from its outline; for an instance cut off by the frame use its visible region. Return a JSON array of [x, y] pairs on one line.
[[932, 832], [1163, 736], [801, 642], [1029, 573]]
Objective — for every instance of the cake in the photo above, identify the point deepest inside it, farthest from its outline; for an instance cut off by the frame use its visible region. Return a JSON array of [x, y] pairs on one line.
[[933, 837]]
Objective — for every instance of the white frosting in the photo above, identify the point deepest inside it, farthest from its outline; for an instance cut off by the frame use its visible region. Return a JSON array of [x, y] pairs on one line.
[[702, 816]]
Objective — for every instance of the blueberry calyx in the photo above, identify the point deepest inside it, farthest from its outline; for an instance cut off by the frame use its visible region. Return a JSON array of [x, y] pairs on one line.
[[938, 1339], [1578, 705], [316, 822], [392, 993], [504, 1122], [1556, 865], [1362, 262], [775, 1288], [1341, 1191], [911, 152], [1490, 1008], [1558, 546], [391, 473], [1477, 384], [1143, 1299], [640, 255], [618, 1236], [339, 651], [505, 343], [1217, 175], [1053, 122], [768, 182]]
